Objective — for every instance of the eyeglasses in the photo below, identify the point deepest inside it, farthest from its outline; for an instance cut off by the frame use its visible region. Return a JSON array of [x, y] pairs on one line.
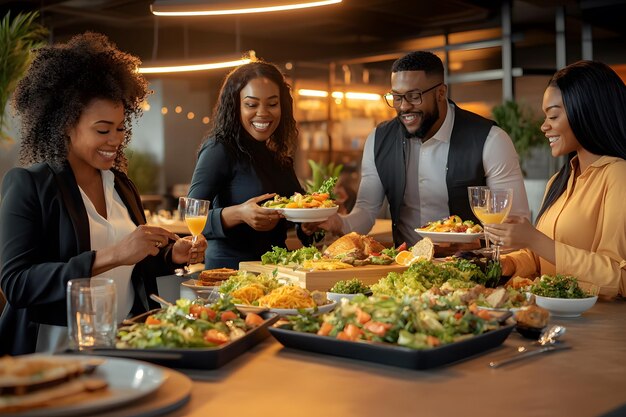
[[413, 97]]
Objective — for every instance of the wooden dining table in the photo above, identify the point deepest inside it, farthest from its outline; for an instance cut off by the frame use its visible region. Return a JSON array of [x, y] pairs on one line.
[[271, 380]]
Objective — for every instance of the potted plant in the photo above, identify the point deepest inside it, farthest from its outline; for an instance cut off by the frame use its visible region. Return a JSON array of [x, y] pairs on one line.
[[320, 173], [522, 125], [18, 37], [524, 128]]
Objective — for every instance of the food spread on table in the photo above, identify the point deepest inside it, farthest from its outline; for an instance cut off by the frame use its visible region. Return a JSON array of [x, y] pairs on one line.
[[267, 291], [351, 249]]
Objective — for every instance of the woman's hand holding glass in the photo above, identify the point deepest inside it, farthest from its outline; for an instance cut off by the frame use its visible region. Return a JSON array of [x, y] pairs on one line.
[[185, 251]]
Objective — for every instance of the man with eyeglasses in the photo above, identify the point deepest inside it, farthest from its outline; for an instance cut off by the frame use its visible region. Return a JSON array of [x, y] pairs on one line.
[[424, 159]]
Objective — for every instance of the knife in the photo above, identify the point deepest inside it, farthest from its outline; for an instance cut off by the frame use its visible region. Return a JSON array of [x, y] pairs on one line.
[[528, 354]]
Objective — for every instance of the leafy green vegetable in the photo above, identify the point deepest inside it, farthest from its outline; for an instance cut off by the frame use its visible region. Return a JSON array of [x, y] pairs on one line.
[[558, 286], [328, 186], [244, 278], [353, 286], [281, 256]]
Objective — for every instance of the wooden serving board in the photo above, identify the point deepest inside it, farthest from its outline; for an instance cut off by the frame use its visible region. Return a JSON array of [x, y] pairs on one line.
[[323, 280]]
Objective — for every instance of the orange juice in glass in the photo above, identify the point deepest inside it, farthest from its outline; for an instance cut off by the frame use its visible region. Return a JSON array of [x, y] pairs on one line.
[[195, 224], [195, 212], [488, 218]]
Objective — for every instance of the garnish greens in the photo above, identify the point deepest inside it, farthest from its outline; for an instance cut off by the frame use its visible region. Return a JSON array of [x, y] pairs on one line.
[[353, 286], [558, 286]]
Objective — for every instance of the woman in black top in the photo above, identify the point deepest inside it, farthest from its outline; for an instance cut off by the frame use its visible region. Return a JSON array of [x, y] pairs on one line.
[[246, 159]]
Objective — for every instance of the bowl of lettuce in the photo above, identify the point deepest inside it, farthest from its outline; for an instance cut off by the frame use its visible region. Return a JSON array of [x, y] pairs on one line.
[[562, 296], [347, 289]]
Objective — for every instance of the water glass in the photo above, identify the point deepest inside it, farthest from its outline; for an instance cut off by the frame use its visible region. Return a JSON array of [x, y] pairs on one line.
[[91, 313]]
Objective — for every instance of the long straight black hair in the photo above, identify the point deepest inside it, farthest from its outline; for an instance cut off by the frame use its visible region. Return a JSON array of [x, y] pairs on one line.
[[594, 98]]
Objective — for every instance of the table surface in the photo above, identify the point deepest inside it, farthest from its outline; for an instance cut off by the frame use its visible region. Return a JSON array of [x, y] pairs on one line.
[[588, 380]]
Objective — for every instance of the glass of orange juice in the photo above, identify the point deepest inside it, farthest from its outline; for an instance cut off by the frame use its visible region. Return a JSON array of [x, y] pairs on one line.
[[478, 196], [195, 213], [495, 211]]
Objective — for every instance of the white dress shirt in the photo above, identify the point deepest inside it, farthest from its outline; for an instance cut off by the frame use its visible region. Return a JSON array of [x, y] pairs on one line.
[[103, 232], [426, 192]]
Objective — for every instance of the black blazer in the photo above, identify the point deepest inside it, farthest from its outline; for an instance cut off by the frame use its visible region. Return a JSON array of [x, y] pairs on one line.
[[45, 242]]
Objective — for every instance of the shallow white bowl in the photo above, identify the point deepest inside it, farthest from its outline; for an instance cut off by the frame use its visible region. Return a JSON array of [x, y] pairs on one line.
[[336, 296], [306, 215], [566, 307]]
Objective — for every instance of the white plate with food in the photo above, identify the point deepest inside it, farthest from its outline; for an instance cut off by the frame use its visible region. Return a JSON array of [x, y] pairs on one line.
[[325, 308], [449, 237], [194, 284], [128, 380], [306, 215]]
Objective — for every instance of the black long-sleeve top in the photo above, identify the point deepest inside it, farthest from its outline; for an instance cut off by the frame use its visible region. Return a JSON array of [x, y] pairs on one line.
[[227, 181]]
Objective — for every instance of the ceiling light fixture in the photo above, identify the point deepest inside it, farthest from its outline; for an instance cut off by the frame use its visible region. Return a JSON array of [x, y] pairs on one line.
[[193, 67], [350, 95], [227, 7], [198, 65]]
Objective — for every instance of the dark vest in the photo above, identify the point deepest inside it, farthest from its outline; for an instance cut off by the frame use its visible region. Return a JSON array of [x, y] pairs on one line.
[[464, 167]]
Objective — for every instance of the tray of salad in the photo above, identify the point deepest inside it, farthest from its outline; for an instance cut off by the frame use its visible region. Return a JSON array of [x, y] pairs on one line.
[[190, 334], [404, 333]]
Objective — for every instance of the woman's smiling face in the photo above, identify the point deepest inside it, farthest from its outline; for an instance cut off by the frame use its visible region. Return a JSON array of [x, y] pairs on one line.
[[97, 136], [260, 108], [556, 126]]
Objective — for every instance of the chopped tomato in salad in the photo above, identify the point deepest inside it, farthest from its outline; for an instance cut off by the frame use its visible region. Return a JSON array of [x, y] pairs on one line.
[[414, 323], [189, 324]]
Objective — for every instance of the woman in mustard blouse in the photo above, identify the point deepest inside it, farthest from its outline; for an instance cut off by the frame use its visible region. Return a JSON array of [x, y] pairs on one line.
[[581, 226]]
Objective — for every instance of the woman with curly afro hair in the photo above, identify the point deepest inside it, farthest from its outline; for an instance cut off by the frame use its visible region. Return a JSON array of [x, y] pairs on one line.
[[71, 211], [247, 158]]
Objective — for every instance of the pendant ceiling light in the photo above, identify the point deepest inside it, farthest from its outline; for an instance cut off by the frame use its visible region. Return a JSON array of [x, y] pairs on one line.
[[228, 7], [170, 67]]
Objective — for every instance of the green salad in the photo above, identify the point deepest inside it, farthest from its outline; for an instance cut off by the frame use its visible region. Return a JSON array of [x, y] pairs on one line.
[[558, 286], [424, 275], [188, 324], [282, 256], [352, 286], [408, 322]]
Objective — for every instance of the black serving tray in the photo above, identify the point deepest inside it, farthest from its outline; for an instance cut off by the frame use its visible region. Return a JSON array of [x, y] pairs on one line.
[[389, 354], [196, 358]]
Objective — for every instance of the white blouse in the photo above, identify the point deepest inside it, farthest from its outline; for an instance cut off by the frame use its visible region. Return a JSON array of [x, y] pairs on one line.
[[103, 233]]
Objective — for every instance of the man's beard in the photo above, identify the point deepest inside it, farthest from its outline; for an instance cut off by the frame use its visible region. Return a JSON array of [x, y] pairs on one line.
[[428, 121]]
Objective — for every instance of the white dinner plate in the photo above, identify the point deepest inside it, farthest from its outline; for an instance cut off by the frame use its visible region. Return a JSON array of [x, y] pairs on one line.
[[193, 284], [306, 215], [285, 311], [449, 237], [128, 379]]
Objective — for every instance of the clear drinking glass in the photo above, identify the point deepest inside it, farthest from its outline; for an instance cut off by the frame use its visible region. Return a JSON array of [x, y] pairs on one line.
[[497, 208], [91, 313], [194, 212], [478, 197], [500, 202]]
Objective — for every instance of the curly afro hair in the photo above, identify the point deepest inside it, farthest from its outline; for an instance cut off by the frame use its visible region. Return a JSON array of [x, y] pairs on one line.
[[226, 121], [62, 80]]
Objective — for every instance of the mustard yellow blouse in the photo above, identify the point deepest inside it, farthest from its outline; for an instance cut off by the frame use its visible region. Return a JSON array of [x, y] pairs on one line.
[[588, 224]]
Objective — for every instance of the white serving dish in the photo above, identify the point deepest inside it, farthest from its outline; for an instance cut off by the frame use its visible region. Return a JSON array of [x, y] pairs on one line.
[[566, 307]]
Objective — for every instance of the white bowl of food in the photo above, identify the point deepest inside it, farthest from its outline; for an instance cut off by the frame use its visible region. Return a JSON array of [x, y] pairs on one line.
[[562, 296], [566, 307], [347, 289]]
